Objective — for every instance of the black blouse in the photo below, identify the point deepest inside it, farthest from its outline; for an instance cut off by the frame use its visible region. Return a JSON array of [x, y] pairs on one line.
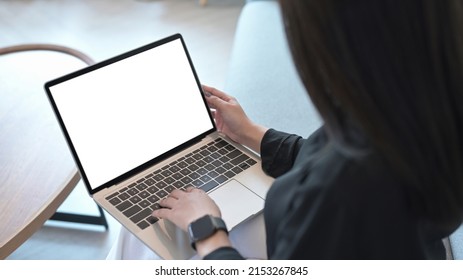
[[330, 204]]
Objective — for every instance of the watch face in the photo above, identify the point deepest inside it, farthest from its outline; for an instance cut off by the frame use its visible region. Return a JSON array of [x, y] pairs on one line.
[[202, 228]]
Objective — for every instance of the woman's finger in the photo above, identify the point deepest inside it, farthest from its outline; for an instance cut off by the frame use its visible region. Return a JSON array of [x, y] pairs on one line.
[[168, 202], [177, 193], [162, 213], [216, 92], [190, 189]]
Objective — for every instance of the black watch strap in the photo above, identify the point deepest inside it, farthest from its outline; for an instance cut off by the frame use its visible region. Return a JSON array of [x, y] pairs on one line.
[[204, 227]]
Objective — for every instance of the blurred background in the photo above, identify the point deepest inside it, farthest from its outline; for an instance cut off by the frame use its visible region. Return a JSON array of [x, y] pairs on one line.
[[102, 29]]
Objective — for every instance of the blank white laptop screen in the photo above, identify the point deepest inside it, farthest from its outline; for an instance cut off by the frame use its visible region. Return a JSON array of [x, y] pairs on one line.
[[129, 112]]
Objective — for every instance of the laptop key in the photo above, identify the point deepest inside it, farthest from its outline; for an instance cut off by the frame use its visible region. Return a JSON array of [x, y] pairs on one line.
[[239, 159], [132, 211], [209, 186], [202, 171], [161, 193], [221, 179], [166, 173], [251, 162], [141, 215], [152, 219], [144, 194], [182, 165], [144, 204], [143, 224], [217, 163], [153, 199], [200, 163], [133, 191], [169, 180], [115, 201], [185, 171], [135, 199], [229, 147], [158, 177], [161, 185], [205, 153], [194, 175], [224, 159], [215, 155], [208, 159], [244, 165], [123, 196], [141, 186], [197, 156], [229, 174], [209, 167], [169, 189], [174, 169], [220, 170], [228, 166], [212, 148], [236, 169], [213, 174], [233, 154], [129, 186], [177, 176], [221, 143], [205, 178], [153, 189], [190, 160], [193, 167], [112, 195], [178, 184], [124, 205], [150, 182], [197, 183], [186, 180]]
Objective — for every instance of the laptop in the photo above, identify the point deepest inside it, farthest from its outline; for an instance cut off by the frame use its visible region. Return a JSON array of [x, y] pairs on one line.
[[138, 127]]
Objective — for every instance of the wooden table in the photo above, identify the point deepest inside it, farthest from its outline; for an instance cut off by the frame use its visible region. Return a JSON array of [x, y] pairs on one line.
[[37, 171]]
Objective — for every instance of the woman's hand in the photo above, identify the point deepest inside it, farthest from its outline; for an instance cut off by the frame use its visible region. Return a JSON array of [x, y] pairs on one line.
[[183, 207], [231, 119]]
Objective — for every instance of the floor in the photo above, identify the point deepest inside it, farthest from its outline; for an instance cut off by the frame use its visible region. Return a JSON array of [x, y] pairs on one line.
[[101, 29]]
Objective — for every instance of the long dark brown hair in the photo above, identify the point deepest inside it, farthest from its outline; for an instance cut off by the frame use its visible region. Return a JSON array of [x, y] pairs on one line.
[[395, 68]]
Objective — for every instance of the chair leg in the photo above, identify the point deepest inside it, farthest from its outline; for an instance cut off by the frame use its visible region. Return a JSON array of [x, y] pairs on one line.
[[83, 219]]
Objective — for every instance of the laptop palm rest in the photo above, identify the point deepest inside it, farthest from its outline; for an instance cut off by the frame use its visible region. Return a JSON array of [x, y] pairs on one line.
[[237, 203]]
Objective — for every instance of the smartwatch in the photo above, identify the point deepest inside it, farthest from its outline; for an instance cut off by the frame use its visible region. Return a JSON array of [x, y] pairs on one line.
[[204, 227]]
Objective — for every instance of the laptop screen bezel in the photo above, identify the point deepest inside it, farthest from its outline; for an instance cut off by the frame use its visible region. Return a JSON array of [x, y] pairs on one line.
[[94, 189]]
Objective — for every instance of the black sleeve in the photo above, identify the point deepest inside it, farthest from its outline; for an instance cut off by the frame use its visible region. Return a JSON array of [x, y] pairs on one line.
[[224, 253], [279, 151]]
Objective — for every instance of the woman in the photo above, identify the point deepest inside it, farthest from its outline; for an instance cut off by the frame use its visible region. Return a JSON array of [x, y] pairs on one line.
[[383, 177]]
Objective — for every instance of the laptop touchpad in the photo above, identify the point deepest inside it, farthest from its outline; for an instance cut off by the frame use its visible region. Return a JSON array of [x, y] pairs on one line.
[[237, 203]]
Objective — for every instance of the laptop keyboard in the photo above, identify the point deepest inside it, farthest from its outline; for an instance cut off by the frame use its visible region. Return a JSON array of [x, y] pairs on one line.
[[205, 168]]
